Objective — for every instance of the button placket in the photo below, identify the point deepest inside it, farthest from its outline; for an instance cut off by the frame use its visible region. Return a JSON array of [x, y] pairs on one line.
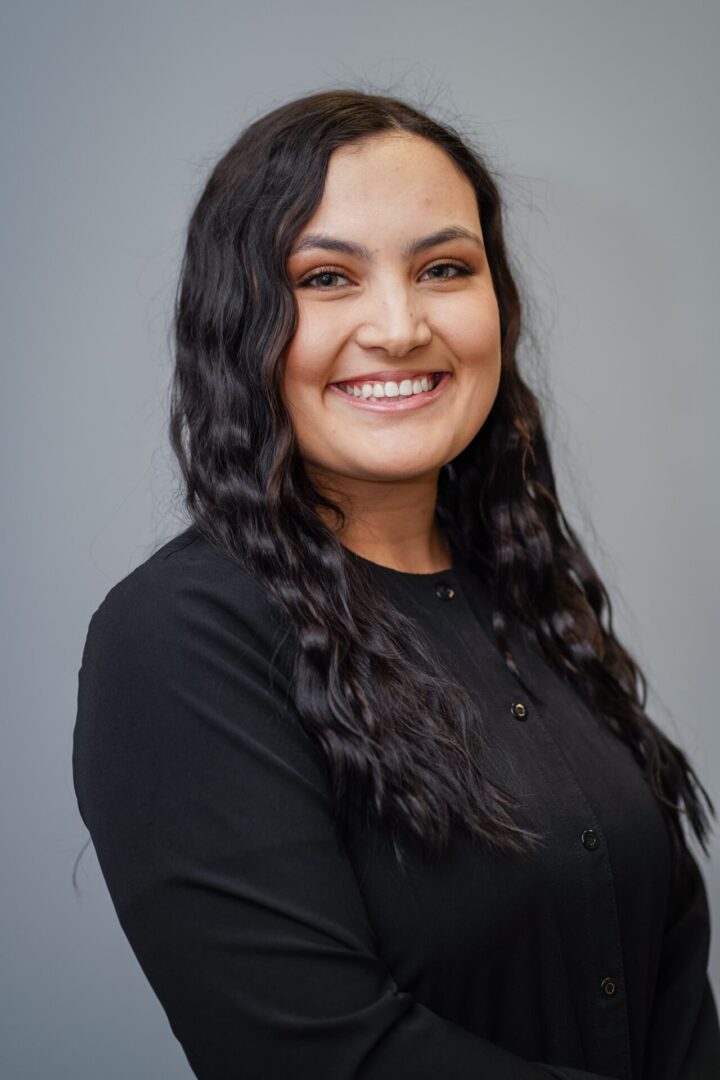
[[604, 954], [600, 879]]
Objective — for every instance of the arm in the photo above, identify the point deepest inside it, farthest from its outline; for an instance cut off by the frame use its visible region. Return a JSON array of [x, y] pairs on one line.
[[209, 810], [684, 1004]]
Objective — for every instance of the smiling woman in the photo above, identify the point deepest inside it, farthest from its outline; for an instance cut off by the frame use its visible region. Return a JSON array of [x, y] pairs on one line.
[[367, 770]]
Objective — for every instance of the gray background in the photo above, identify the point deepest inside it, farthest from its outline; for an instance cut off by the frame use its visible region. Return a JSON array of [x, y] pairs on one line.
[[601, 118]]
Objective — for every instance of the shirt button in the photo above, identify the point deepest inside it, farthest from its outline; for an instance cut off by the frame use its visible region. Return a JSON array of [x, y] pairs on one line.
[[608, 986], [590, 839], [518, 710], [444, 592]]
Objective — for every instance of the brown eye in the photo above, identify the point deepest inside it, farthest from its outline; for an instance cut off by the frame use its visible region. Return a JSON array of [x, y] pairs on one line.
[[324, 274], [463, 270]]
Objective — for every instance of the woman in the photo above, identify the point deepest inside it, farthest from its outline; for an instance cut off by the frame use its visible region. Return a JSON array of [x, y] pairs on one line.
[[367, 771]]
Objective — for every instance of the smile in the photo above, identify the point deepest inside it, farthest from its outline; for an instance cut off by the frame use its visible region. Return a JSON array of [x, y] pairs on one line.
[[398, 402]]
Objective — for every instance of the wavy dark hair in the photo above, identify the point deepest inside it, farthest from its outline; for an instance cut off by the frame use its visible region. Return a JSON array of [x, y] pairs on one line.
[[401, 737]]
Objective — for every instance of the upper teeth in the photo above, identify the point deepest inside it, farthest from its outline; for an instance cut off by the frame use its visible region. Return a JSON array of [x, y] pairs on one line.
[[391, 389]]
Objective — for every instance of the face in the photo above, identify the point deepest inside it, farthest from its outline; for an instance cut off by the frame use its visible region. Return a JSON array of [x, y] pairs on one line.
[[387, 312]]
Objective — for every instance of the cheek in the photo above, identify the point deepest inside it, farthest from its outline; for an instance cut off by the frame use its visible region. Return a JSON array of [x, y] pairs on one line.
[[311, 354], [472, 332]]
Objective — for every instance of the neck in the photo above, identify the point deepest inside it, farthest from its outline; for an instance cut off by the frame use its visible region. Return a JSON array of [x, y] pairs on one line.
[[390, 523]]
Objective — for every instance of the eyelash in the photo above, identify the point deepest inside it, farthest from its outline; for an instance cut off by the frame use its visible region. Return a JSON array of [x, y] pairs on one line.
[[463, 271]]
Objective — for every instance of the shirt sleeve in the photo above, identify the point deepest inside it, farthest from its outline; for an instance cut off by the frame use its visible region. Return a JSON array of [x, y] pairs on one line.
[[208, 805], [684, 1037]]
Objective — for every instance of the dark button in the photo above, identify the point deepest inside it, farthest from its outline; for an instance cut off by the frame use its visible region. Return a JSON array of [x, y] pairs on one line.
[[518, 710], [590, 839], [445, 592], [608, 986]]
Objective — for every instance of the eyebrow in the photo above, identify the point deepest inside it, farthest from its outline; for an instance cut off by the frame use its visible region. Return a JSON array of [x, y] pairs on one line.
[[358, 251]]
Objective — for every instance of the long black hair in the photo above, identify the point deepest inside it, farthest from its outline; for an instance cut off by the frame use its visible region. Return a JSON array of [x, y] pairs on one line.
[[401, 737]]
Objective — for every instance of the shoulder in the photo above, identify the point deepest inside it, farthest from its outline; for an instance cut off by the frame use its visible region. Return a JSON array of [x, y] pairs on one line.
[[185, 722], [185, 662], [187, 591]]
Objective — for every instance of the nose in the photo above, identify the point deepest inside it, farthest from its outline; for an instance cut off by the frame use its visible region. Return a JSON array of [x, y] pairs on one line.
[[395, 323]]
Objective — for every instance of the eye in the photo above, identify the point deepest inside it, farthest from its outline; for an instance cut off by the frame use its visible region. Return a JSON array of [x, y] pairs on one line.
[[324, 272], [463, 270]]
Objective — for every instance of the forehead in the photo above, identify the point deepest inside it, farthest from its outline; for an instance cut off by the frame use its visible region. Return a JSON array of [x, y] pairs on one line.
[[391, 178]]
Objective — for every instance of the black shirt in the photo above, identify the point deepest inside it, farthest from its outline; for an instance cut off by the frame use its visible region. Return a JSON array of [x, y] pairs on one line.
[[278, 953]]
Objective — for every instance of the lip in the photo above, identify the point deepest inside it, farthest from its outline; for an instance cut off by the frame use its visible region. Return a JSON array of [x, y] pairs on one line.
[[393, 405]]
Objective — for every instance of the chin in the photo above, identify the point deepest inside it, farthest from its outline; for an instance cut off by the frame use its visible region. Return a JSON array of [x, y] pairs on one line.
[[398, 474]]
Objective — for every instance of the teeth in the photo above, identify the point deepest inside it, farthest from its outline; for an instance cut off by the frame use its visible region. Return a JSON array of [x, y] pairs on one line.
[[406, 388]]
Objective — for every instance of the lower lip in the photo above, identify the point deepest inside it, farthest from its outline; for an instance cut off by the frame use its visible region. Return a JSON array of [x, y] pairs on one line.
[[398, 404]]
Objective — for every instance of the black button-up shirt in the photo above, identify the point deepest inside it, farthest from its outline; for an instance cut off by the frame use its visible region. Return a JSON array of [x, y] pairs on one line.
[[277, 953]]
